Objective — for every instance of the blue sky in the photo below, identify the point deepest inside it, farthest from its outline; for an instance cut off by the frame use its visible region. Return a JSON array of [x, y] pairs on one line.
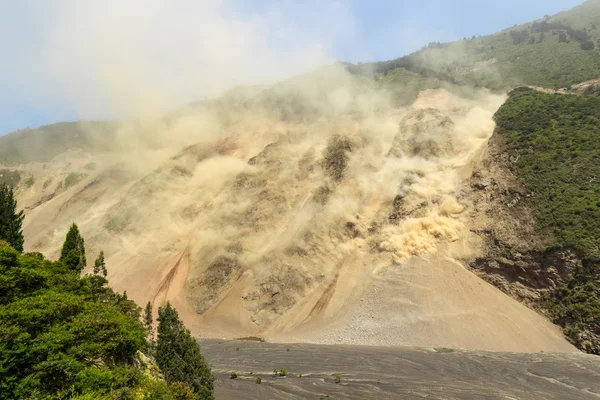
[[74, 59]]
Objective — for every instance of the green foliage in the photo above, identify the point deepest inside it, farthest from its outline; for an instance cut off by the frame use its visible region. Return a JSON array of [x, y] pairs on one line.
[[67, 336], [282, 372], [337, 379], [178, 354], [158, 390], [148, 317], [555, 140], [56, 339], [539, 54], [233, 375], [258, 380], [73, 250], [11, 221]]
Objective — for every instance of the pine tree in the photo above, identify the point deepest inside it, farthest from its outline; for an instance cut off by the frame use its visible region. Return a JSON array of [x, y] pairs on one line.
[[178, 354], [98, 280], [148, 316], [148, 322], [73, 250], [100, 265], [11, 221]]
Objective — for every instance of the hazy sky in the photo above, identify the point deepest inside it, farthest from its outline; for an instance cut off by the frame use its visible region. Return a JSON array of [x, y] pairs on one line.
[[90, 59]]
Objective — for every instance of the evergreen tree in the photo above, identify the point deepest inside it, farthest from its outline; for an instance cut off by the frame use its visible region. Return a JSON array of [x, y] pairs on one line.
[[100, 265], [73, 250], [11, 221], [148, 317], [178, 354], [98, 280]]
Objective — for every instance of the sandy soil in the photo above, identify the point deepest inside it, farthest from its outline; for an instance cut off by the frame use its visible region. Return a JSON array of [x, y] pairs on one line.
[[248, 232], [435, 301]]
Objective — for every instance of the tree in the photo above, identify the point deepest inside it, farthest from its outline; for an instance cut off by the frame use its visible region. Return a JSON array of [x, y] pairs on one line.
[[148, 318], [178, 354], [11, 221], [562, 38], [98, 280], [73, 250], [100, 265]]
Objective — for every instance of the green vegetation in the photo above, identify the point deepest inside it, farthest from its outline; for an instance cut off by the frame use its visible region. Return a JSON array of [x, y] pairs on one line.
[[10, 220], [282, 372], [337, 379], [557, 51], [178, 354], [67, 336], [148, 320], [73, 250], [258, 380], [233, 375], [556, 142]]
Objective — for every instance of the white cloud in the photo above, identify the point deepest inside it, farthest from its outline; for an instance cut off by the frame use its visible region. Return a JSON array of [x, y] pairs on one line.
[[116, 58]]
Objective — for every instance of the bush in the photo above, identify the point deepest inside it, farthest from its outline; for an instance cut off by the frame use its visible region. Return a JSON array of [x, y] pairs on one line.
[[337, 379], [556, 142], [158, 390], [282, 372], [181, 391], [233, 375], [258, 380]]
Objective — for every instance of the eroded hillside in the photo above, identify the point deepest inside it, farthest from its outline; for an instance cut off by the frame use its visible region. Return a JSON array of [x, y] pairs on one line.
[[348, 226]]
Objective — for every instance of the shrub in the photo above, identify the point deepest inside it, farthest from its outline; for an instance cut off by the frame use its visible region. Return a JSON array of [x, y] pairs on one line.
[[181, 391], [178, 353], [158, 390], [337, 379], [282, 372], [555, 140], [233, 375], [258, 380]]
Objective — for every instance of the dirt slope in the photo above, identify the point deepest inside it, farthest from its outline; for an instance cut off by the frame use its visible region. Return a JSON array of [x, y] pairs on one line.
[[342, 229]]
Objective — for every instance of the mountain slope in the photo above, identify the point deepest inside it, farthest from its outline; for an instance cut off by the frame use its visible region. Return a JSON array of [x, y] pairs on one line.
[[546, 249], [288, 211], [556, 51]]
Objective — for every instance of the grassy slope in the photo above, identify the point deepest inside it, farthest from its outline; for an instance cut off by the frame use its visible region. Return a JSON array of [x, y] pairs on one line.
[[495, 61], [556, 139]]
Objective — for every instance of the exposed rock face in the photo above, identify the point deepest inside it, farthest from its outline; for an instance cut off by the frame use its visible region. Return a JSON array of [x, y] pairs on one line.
[[279, 228], [426, 133], [514, 257]]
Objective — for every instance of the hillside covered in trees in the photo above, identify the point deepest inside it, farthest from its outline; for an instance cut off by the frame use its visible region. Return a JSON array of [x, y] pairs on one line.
[[66, 336], [555, 140]]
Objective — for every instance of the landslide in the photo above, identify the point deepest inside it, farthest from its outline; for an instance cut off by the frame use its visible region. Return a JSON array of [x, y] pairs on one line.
[[537, 207]]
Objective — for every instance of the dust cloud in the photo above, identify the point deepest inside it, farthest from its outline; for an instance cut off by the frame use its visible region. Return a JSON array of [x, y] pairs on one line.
[[259, 209]]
